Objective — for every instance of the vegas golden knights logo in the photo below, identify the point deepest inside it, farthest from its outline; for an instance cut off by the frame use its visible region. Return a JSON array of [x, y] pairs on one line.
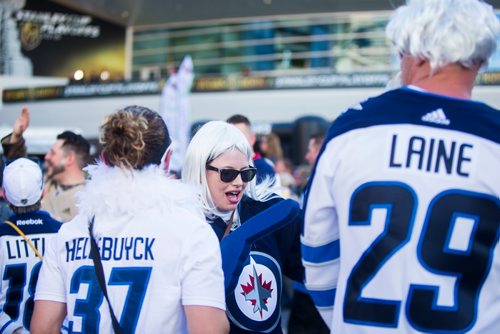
[[30, 35]]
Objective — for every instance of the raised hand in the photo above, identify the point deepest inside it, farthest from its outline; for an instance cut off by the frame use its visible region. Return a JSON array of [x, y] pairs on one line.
[[20, 125]]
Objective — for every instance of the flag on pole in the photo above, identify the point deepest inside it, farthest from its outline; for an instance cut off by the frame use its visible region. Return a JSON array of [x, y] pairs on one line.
[[175, 110]]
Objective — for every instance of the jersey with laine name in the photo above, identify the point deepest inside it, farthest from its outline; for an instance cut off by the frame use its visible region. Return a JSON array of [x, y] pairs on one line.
[[402, 217], [19, 266]]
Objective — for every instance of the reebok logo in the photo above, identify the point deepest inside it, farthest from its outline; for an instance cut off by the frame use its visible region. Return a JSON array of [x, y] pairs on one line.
[[29, 222], [437, 116]]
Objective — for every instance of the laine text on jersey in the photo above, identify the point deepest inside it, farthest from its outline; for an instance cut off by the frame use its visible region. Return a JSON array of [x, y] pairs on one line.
[[431, 155]]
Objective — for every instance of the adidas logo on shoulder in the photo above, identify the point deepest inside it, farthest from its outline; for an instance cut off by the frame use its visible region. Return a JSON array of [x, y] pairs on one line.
[[437, 116]]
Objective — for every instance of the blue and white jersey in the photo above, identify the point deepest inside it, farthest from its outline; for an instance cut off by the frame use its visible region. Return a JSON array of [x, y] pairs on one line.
[[19, 266], [402, 217], [254, 304], [157, 252]]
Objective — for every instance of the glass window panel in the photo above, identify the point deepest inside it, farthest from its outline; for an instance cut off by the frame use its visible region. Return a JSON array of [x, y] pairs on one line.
[[342, 43]]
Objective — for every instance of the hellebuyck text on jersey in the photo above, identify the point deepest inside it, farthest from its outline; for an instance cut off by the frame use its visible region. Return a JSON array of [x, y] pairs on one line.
[[116, 249], [431, 155]]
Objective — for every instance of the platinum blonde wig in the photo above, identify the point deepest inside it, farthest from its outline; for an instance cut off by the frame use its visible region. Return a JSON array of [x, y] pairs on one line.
[[445, 31], [211, 140]]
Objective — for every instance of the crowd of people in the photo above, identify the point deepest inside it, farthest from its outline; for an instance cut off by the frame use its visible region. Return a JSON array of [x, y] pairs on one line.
[[392, 228]]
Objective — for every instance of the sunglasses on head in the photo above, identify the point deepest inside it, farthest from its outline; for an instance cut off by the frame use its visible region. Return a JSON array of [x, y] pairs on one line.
[[229, 174]]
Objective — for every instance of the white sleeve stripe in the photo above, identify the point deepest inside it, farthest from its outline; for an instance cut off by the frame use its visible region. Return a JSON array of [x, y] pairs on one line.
[[315, 243], [313, 264]]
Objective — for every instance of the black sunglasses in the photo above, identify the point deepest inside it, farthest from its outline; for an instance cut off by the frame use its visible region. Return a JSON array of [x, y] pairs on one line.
[[229, 174]]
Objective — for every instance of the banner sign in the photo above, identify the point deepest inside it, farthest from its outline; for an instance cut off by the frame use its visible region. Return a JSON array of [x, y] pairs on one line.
[[216, 84], [81, 91]]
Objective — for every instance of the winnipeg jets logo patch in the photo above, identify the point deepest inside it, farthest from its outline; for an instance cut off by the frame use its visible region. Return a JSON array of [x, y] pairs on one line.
[[257, 291], [255, 302]]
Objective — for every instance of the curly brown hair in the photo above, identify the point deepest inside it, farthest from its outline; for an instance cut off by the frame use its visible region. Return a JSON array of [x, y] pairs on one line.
[[134, 137]]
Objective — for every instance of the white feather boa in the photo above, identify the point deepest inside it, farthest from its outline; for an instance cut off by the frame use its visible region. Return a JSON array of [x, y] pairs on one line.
[[117, 191]]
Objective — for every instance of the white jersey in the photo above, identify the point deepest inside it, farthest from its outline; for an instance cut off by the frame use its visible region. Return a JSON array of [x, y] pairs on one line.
[[157, 251], [402, 217], [19, 266]]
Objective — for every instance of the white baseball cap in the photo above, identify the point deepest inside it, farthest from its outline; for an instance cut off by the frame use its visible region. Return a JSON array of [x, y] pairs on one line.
[[22, 182]]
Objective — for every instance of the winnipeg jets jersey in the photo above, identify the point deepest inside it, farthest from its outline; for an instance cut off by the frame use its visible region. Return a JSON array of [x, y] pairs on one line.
[[254, 302], [19, 266], [157, 252], [402, 217]]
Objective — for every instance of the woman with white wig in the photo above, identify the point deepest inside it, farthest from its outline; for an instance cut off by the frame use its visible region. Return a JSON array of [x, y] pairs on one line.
[[219, 160]]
